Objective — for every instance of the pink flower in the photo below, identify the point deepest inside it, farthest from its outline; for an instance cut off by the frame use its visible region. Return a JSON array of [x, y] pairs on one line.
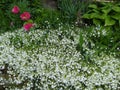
[[27, 26], [15, 10], [25, 16]]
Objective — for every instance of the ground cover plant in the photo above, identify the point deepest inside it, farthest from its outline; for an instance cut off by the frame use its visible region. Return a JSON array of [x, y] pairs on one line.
[[42, 59], [54, 55]]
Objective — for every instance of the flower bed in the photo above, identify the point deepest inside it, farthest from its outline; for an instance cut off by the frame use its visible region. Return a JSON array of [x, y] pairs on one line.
[[42, 60]]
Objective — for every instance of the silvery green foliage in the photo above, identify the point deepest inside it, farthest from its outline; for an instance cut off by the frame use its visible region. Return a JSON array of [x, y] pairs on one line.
[[48, 60]]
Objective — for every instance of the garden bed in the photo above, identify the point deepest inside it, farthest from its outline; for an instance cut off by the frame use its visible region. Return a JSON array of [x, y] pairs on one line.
[[43, 60]]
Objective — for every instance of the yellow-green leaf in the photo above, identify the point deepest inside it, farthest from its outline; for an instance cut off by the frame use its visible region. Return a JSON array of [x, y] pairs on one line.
[[116, 16], [116, 8], [93, 6], [109, 21]]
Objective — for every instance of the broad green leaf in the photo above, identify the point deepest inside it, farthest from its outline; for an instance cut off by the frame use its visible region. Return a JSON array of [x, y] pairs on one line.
[[106, 11], [96, 15], [116, 8], [109, 21], [96, 10], [104, 16], [87, 16], [93, 15], [93, 6], [116, 16]]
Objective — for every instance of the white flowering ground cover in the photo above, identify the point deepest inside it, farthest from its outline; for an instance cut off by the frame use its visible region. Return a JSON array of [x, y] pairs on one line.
[[48, 60]]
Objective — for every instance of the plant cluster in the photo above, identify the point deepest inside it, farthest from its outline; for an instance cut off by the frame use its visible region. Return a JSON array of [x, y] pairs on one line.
[[106, 18], [66, 13], [53, 63], [104, 14], [72, 9], [25, 16], [58, 55], [10, 21], [100, 39], [47, 18]]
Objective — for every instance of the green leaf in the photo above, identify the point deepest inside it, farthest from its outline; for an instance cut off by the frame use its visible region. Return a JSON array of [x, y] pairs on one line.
[[93, 15], [97, 22], [93, 6], [30, 21], [106, 11], [96, 10], [87, 16], [109, 21], [81, 41], [104, 16], [116, 16], [96, 15], [116, 8]]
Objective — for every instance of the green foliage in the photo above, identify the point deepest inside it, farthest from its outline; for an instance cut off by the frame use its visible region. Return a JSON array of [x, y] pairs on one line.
[[3, 17], [103, 39], [35, 4], [10, 21], [44, 17], [105, 14], [47, 18], [70, 8], [106, 17], [39, 60]]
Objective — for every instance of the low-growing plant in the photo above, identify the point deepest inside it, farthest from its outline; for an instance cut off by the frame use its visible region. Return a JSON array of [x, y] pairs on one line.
[[99, 38], [55, 64]]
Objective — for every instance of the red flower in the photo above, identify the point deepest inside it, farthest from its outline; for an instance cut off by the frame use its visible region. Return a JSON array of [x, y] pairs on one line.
[[27, 26], [25, 16], [15, 9]]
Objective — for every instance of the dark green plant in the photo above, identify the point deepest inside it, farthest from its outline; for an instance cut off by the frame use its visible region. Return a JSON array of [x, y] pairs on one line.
[[47, 18], [99, 38], [71, 8], [34, 5], [3, 17]]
